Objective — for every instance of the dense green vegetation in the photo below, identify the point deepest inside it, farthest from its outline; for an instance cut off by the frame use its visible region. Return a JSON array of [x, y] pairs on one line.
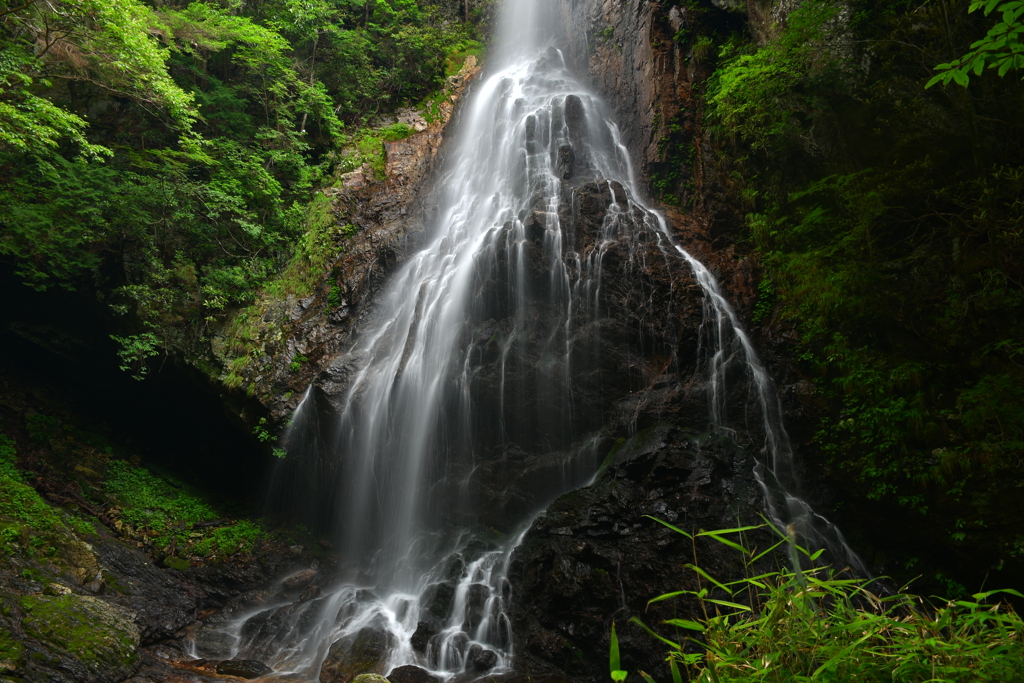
[[149, 507], [888, 220], [174, 518], [163, 155], [812, 624]]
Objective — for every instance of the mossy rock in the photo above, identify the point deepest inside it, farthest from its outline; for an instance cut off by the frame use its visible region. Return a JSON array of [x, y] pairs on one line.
[[102, 638], [12, 654], [348, 659], [177, 563], [370, 678]]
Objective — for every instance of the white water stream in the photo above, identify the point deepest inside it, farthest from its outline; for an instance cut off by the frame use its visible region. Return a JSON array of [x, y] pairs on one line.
[[406, 510]]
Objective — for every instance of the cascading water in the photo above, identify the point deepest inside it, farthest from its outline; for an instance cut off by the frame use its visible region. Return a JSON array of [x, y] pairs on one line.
[[504, 301]]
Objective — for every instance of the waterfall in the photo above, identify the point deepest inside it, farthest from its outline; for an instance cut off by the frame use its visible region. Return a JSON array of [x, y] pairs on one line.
[[486, 347]]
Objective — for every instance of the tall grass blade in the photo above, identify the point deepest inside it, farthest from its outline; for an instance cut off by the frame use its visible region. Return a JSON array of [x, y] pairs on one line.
[[673, 528]]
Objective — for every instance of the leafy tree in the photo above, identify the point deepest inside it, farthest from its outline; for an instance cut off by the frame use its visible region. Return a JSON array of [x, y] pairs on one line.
[[166, 153], [1001, 49]]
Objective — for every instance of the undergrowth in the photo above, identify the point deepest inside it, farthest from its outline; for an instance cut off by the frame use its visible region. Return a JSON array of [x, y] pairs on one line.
[[817, 624], [173, 517], [886, 217]]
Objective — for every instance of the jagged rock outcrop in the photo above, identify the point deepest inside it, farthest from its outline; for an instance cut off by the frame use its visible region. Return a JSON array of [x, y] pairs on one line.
[[597, 556], [378, 222], [639, 395]]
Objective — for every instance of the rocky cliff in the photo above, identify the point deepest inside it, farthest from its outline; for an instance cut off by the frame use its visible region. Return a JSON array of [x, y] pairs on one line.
[[596, 556]]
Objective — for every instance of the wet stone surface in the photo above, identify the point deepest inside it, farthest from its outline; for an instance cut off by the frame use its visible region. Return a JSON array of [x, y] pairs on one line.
[[348, 658], [243, 668], [596, 556], [412, 674]]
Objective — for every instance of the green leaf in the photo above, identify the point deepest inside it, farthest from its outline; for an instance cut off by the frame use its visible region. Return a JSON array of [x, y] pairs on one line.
[[676, 678], [784, 540], [983, 596], [729, 531], [708, 577], [726, 603], [685, 623], [725, 541], [673, 528], [668, 596], [613, 655], [645, 627]]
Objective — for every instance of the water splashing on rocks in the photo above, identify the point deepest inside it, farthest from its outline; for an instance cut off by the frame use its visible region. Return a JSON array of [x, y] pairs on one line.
[[478, 392]]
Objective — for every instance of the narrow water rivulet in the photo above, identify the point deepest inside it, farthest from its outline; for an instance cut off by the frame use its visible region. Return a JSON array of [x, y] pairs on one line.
[[489, 347]]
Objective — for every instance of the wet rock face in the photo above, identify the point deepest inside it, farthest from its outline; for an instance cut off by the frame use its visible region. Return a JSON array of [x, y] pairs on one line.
[[161, 603], [412, 674], [243, 668], [635, 323], [349, 658], [635, 65], [651, 82], [438, 598], [559, 331], [595, 557], [67, 639], [381, 223]]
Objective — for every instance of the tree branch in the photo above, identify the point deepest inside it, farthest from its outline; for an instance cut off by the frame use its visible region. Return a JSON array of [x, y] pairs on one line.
[[17, 9]]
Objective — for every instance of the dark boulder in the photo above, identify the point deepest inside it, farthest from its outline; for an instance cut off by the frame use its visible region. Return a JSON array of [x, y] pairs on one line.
[[162, 603], [348, 658], [412, 674], [425, 630], [438, 598], [243, 668], [476, 604], [596, 556], [299, 579], [480, 659]]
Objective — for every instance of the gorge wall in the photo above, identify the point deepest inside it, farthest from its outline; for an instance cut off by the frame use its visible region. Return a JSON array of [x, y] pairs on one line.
[[595, 556], [638, 410]]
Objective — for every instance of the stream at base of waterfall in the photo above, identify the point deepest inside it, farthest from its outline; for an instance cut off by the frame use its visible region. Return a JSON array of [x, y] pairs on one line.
[[507, 293]]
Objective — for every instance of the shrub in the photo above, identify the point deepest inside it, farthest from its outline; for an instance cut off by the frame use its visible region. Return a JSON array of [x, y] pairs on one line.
[[799, 624]]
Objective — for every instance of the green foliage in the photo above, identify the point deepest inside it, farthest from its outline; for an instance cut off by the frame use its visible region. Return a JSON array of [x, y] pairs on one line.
[[242, 536], [766, 94], [30, 123], [703, 49], [28, 525], [1001, 49], [8, 456], [887, 220], [814, 624], [366, 146], [765, 301], [89, 41], [260, 431], [57, 219], [148, 502], [135, 350], [85, 627], [98, 41], [42, 428], [11, 652], [187, 189], [614, 664]]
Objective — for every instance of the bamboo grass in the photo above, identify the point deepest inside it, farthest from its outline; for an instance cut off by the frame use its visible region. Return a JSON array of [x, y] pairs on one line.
[[817, 624]]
